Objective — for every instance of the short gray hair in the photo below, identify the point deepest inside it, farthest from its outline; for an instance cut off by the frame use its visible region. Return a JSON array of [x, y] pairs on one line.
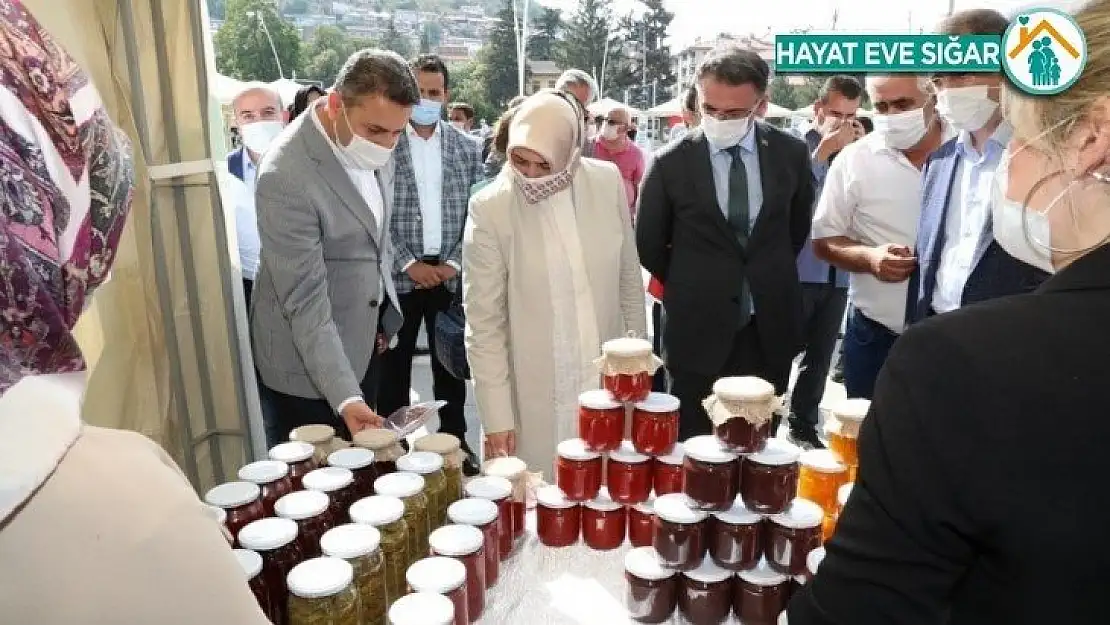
[[923, 81], [377, 72], [255, 87], [577, 78]]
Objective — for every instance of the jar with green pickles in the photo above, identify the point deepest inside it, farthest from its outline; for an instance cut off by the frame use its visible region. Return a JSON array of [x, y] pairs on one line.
[[386, 514], [321, 592], [429, 466], [450, 449], [360, 546], [409, 488]]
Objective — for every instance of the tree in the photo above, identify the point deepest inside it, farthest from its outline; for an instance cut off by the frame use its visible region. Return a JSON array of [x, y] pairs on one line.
[[296, 7], [584, 46], [544, 44], [496, 69], [395, 40], [467, 86], [645, 72], [242, 48], [329, 49]]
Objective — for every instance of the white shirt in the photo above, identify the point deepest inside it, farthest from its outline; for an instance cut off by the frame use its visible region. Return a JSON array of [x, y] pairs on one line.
[[246, 221], [872, 195], [427, 167]]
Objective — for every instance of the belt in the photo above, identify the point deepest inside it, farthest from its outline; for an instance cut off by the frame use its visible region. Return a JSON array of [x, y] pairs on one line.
[[430, 260]]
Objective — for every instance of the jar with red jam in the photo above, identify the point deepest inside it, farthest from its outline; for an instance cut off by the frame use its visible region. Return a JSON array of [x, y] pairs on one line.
[[791, 535], [680, 532], [628, 475], [516, 471], [600, 420], [360, 462], [710, 474], [813, 562], [422, 608], [603, 522], [705, 596], [339, 485], [251, 563], [299, 456], [272, 477], [769, 478], [242, 501], [735, 537], [655, 424], [667, 471], [652, 587], [558, 519], [641, 523], [219, 515], [627, 365], [467, 545], [276, 541], [386, 447], [442, 576], [742, 409], [311, 512], [760, 595], [498, 490], [577, 470], [320, 436], [482, 514]]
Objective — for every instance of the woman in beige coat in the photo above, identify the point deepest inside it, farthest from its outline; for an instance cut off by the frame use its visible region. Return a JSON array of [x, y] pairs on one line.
[[551, 272]]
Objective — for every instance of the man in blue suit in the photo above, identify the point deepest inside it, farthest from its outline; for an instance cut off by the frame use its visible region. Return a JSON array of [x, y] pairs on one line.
[[959, 262]]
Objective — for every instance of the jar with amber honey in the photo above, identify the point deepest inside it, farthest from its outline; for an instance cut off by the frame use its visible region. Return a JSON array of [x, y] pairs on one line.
[[652, 591], [321, 592], [710, 474], [409, 488], [842, 496], [742, 409], [791, 535], [386, 447], [769, 478], [272, 477], [301, 458], [360, 462], [429, 466], [311, 511], [467, 545], [842, 429], [276, 541], [577, 470], [360, 546], [321, 437], [386, 514], [516, 471], [422, 608], [445, 577], [600, 420], [680, 532], [498, 490], [242, 501], [482, 514], [339, 485], [667, 471], [627, 365], [450, 449], [705, 597], [820, 477]]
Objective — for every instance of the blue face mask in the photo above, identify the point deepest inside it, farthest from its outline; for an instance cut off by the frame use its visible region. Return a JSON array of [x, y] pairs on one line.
[[426, 113]]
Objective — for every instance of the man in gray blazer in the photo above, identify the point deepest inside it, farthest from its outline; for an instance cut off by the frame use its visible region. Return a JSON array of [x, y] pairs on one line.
[[323, 299]]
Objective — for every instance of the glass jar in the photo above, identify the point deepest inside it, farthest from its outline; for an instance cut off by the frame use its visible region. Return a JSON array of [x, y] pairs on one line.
[[769, 479], [603, 522], [600, 420], [429, 466], [360, 546], [627, 366], [339, 485], [652, 588], [680, 530], [641, 523], [743, 411], [842, 429], [219, 515], [422, 608], [791, 535], [736, 538], [760, 596], [276, 541], [445, 577], [450, 449], [498, 490], [813, 562], [667, 471], [321, 591], [321, 437], [705, 597], [558, 520], [628, 475], [577, 470], [272, 477], [311, 511], [360, 462], [820, 477], [482, 514], [842, 496], [655, 424], [467, 545], [409, 488], [251, 563], [386, 447], [386, 514], [242, 501], [299, 456], [516, 471], [710, 473]]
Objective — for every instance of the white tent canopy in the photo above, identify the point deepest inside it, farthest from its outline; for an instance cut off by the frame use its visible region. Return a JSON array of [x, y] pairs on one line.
[[774, 111], [224, 88], [604, 105], [670, 108], [287, 89]]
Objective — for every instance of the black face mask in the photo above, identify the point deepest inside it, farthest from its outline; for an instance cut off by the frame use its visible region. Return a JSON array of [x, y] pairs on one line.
[[632, 133]]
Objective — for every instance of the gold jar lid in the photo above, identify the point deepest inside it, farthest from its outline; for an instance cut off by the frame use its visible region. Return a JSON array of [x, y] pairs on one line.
[[376, 439], [313, 434], [438, 443]]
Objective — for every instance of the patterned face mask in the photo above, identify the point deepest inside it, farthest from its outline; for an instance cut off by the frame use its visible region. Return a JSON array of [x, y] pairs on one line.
[[536, 190]]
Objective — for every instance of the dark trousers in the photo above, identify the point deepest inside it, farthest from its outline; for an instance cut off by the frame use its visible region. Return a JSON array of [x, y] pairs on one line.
[[823, 309], [265, 397], [292, 412], [659, 384], [420, 307], [866, 345], [745, 358]]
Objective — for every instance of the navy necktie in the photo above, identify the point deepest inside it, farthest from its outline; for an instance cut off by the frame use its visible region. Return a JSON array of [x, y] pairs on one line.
[[739, 214]]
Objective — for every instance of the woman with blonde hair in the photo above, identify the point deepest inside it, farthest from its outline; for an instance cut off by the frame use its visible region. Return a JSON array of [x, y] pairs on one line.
[[980, 494], [551, 272]]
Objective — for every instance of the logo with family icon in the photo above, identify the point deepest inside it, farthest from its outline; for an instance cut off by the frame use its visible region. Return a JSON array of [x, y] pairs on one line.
[[1044, 51]]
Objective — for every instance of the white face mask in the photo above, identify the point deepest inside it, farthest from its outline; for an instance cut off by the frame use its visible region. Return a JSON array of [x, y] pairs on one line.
[[725, 133], [460, 126], [1024, 234], [258, 136], [901, 131], [966, 108], [363, 153], [611, 132]]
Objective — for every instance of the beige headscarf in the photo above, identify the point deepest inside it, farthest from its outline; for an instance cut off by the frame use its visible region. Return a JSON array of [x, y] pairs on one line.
[[550, 124]]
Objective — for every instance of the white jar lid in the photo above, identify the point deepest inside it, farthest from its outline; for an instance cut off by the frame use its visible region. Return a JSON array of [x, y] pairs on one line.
[[822, 461], [603, 502], [598, 399], [472, 511], [677, 508], [249, 561], [399, 484], [783, 619], [377, 510], [293, 451], [456, 540], [844, 493], [708, 572], [802, 514], [674, 457], [264, 472], [351, 458], [646, 508], [814, 559], [626, 347], [776, 453], [708, 449], [301, 505], [553, 497], [268, 534], [489, 487], [352, 540], [743, 388], [851, 409], [738, 514], [217, 513], [420, 462], [507, 467], [422, 608], [575, 449], [627, 454], [437, 574], [320, 577], [644, 563], [659, 402], [232, 495], [763, 575], [328, 479]]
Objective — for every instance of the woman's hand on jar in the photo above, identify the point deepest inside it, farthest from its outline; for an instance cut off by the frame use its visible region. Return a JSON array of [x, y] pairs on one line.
[[500, 444]]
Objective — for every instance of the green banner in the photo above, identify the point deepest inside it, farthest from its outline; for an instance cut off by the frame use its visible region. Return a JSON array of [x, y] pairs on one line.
[[916, 54]]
